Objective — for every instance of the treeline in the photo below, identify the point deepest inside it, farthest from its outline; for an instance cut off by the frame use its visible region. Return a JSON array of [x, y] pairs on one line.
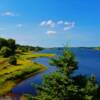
[[8, 47], [26, 48]]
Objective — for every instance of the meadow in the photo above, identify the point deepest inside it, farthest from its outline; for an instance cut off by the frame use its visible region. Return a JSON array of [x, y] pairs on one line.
[[11, 75]]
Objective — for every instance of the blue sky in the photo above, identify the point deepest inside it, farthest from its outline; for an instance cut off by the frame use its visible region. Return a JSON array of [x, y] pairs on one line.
[[51, 23]]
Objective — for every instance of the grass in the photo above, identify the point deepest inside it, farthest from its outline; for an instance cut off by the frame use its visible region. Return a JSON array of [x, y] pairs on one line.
[[97, 48], [11, 75]]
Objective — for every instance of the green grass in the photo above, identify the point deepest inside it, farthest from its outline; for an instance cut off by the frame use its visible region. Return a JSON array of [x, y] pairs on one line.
[[11, 75], [97, 48]]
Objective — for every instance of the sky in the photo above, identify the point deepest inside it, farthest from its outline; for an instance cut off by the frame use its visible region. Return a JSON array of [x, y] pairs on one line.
[[51, 23]]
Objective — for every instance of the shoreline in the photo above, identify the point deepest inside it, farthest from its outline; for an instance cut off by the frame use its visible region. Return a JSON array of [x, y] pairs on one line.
[[25, 69], [26, 77], [18, 81]]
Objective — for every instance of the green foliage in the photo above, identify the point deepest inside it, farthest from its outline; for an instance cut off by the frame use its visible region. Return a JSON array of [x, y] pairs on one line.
[[67, 62], [3, 42], [62, 85], [5, 51], [13, 60], [12, 44], [55, 87], [7, 47], [28, 48]]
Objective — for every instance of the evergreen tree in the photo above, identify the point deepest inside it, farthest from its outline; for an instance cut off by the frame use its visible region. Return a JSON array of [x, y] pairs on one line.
[[63, 85]]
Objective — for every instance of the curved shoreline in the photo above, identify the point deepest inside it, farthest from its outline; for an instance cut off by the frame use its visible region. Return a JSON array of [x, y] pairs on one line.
[[26, 72], [11, 95], [17, 81]]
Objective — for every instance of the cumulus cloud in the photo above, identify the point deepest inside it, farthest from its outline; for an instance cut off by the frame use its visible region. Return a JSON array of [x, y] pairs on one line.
[[43, 23], [48, 23], [8, 13], [51, 32], [19, 25], [69, 25], [61, 24]]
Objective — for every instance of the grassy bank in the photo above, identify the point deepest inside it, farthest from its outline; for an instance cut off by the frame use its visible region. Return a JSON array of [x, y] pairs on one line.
[[11, 75]]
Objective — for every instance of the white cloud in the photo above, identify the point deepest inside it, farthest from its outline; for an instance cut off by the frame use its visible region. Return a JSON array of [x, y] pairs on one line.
[[43, 23], [65, 25], [69, 25], [48, 23], [60, 22], [51, 32], [19, 25], [8, 13]]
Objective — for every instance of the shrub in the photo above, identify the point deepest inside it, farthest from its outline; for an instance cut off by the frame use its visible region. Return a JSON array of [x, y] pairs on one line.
[[5, 51], [13, 60]]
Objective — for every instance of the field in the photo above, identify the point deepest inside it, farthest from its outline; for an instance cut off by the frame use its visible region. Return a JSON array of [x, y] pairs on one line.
[[11, 75]]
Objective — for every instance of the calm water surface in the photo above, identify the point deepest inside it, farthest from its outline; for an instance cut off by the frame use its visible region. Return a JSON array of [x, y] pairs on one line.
[[89, 63]]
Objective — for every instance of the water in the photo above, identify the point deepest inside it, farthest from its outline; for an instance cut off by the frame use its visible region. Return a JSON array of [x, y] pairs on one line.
[[89, 63]]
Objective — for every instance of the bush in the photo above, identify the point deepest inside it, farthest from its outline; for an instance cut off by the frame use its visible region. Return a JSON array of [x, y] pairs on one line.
[[13, 60], [5, 51]]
